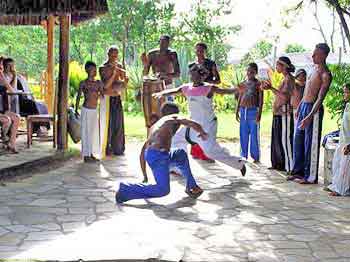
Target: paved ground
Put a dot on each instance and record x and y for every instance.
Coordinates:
(69, 213)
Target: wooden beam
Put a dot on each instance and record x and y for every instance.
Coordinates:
(63, 81)
(50, 63)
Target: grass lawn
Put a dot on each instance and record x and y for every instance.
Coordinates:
(228, 128)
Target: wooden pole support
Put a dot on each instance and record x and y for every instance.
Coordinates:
(63, 81)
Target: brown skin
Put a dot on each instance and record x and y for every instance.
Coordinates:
(201, 54)
(256, 101)
(164, 62)
(92, 90)
(283, 93)
(296, 97)
(10, 71)
(9, 120)
(317, 86)
(161, 134)
(107, 72)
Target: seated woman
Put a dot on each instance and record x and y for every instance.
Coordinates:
(28, 106)
(9, 120)
(341, 162)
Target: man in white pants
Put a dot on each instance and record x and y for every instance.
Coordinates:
(200, 104)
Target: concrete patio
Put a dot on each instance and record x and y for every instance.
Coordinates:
(69, 213)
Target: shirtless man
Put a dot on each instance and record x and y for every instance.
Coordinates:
(9, 120)
(157, 153)
(282, 122)
(309, 125)
(92, 90)
(164, 63)
(298, 91)
(248, 113)
(111, 110)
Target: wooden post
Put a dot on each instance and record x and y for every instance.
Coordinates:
(63, 81)
(50, 63)
(340, 55)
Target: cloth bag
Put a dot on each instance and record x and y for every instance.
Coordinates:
(73, 125)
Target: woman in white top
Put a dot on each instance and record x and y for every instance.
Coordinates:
(200, 104)
(341, 162)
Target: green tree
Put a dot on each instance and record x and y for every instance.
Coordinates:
(294, 48)
(202, 25)
(260, 50)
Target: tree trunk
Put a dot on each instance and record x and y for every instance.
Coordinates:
(319, 23)
(63, 81)
(343, 38)
(339, 10)
(333, 30)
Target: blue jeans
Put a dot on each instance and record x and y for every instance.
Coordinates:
(249, 132)
(306, 150)
(159, 162)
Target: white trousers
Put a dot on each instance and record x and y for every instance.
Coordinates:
(210, 146)
(340, 172)
(89, 132)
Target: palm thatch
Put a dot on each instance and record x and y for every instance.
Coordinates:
(25, 12)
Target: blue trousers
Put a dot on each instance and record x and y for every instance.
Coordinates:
(159, 162)
(306, 150)
(249, 132)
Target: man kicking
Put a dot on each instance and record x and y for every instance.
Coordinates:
(156, 152)
(309, 124)
(200, 98)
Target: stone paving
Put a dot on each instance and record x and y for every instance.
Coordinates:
(69, 213)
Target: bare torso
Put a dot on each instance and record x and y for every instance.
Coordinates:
(106, 72)
(249, 94)
(162, 132)
(313, 84)
(297, 95)
(91, 91)
(163, 63)
(281, 106)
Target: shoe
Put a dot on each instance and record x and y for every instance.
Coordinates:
(94, 159)
(209, 160)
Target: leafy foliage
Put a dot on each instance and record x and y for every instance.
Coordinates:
(261, 49)
(294, 48)
(334, 99)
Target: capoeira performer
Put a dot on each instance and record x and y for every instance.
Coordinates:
(157, 153)
(200, 103)
(310, 114)
(248, 113)
(92, 90)
(282, 121)
(341, 162)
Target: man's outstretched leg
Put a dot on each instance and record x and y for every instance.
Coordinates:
(179, 159)
(159, 163)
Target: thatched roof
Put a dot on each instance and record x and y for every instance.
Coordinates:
(33, 12)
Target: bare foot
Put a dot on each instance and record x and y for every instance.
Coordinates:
(333, 194)
(194, 192)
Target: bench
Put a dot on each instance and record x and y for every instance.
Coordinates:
(36, 119)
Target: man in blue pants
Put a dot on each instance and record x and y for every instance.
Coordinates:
(250, 103)
(309, 120)
(156, 151)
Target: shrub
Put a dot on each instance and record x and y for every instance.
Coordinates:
(334, 99)
(76, 75)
